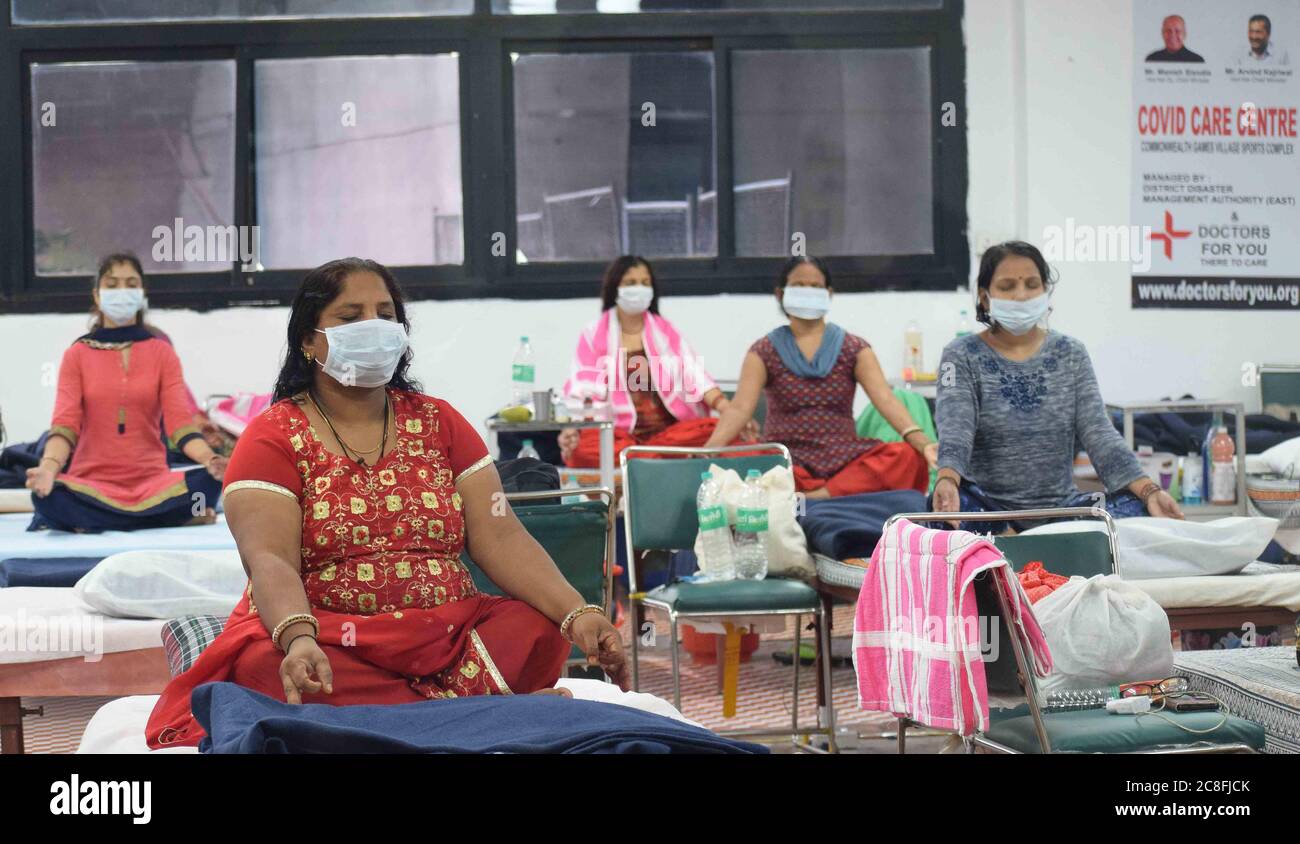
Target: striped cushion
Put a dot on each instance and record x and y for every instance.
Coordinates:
(185, 638)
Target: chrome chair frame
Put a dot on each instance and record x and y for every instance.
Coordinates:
(826, 712)
(1030, 682)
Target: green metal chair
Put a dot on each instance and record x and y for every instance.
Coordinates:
(659, 501)
(578, 536)
(1027, 728)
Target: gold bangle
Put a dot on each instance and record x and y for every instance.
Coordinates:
(291, 620)
(58, 464)
(573, 616)
(912, 430)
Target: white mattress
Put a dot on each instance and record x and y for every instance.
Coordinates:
(15, 501)
(17, 541)
(40, 623)
(1258, 585)
(118, 726)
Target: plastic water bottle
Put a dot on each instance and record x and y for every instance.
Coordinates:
(717, 561)
(571, 483)
(751, 529)
(529, 451)
(523, 374)
(913, 351)
(1071, 699)
(963, 327)
(1192, 478)
(1223, 468)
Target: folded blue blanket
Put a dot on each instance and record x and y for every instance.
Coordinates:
(239, 720)
(846, 527)
(45, 571)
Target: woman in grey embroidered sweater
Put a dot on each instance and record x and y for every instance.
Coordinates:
(1015, 402)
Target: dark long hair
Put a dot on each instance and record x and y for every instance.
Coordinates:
(995, 255)
(320, 287)
(614, 275)
(106, 265)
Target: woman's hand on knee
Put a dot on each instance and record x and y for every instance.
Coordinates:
(568, 441)
(946, 498)
(1162, 505)
(600, 641)
(303, 661)
(40, 480)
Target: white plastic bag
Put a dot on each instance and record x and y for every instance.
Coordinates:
(1102, 632)
(1152, 548)
(787, 548)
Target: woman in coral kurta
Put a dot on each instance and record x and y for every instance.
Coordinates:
(351, 499)
(117, 386)
(811, 370)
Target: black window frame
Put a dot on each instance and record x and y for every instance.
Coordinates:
(484, 43)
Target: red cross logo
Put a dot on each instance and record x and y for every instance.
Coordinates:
(1168, 236)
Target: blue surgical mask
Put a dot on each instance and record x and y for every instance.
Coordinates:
(364, 354)
(806, 302)
(1019, 317)
(121, 304)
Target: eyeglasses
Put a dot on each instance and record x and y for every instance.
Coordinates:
(1167, 686)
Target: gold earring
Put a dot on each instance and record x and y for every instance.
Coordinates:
(308, 355)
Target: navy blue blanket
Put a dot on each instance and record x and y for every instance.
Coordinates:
(239, 720)
(850, 526)
(1181, 433)
(45, 571)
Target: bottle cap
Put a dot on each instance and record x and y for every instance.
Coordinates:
(753, 473)
(704, 476)
(523, 339)
(528, 443)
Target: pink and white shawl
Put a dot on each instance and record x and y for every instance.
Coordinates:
(599, 369)
(916, 632)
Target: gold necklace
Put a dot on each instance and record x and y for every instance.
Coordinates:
(346, 447)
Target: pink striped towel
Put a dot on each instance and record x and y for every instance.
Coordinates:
(916, 633)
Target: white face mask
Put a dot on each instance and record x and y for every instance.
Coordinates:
(806, 302)
(364, 354)
(121, 304)
(1019, 317)
(635, 298)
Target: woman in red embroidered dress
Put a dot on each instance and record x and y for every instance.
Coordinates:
(811, 370)
(351, 499)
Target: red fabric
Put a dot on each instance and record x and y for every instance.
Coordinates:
(380, 562)
(1038, 582)
(380, 538)
(887, 466)
(136, 388)
(386, 658)
(690, 433)
(652, 415)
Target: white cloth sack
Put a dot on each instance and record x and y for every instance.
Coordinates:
(787, 549)
(1102, 632)
(165, 584)
(1284, 458)
(1151, 548)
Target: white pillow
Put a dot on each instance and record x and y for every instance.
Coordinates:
(1284, 458)
(165, 584)
(1152, 548)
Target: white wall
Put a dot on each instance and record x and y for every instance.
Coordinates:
(1062, 152)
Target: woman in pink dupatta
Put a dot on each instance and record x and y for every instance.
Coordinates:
(638, 362)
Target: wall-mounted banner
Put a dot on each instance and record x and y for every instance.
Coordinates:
(1216, 155)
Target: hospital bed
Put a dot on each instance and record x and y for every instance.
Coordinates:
(53, 645)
